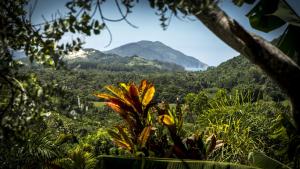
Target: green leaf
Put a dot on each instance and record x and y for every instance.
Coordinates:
(289, 44)
(261, 17)
(286, 13)
(259, 159)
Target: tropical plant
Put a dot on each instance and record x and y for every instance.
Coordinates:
(245, 126)
(100, 142)
(36, 152)
(132, 103)
(76, 159)
(192, 147)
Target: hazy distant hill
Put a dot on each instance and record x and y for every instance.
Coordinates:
(94, 59)
(158, 51)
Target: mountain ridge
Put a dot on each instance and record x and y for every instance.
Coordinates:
(156, 50)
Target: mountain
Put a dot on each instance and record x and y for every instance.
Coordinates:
(158, 51)
(94, 59)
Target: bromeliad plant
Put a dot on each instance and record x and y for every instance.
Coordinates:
(132, 103)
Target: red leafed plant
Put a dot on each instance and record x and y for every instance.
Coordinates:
(132, 103)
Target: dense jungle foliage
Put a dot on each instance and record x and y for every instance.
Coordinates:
(241, 110)
(55, 114)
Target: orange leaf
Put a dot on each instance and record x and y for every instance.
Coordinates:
(104, 96)
(115, 107)
(143, 137)
(143, 86)
(134, 95)
(124, 144)
(133, 91)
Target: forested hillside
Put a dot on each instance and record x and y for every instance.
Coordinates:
(237, 73)
(66, 107)
(237, 89)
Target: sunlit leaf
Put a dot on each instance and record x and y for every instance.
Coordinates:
(219, 144)
(115, 107)
(120, 94)
(143, 86)
(116, 91)
(148, 95)
(124, 86)
(104, 96)
(166, 120)
(123, 144)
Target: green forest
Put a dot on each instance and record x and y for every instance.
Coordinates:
(129, 112)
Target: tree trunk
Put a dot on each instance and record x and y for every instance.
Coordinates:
(269, 58)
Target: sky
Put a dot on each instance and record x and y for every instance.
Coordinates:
(190, 37)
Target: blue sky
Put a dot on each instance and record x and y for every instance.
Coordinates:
(189, 37)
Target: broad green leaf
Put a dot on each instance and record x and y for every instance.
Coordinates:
(261, 17)
(286, 13)
(288, 43)
(260, 160)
